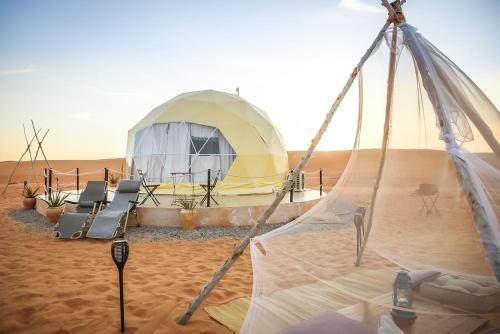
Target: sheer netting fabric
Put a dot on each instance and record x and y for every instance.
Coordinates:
(421, 193)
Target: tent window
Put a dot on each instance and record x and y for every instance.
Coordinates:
(203, 145)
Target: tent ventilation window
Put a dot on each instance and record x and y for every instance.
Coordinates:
(204, 146)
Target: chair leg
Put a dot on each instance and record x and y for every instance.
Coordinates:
(434, 207)
(203, 199)
(154, 199)
(144, 199)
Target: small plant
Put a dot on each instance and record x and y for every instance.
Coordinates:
(55, 199)
(29, 192)
(113, 179)
(186, 203)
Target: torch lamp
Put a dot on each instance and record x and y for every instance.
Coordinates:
(402, 297)
(119, 252)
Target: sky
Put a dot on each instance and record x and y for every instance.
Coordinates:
(90, 70)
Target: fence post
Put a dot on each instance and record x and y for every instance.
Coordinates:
(320, 182)
(106, 178)
(208, 187)
(50, 181)
(291, 189)
(45, 180)
(77, 180)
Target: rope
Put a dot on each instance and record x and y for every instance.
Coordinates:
(55, 171)
(97, 171)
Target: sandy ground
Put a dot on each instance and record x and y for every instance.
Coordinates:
(50, 286)
(56, 286)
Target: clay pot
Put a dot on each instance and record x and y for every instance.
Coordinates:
(53, 214)
(29, 203)
(188, 219)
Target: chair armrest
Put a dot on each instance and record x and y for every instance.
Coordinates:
(70, 202)
(133, 202)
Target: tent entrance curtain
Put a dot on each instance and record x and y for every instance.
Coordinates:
(181, 147)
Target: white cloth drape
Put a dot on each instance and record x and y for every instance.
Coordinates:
(162, 149)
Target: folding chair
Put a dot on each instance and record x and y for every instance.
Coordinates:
(206, 188)
(429, 193)
(150, 189)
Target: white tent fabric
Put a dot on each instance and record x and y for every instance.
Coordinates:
(425, 172)
(161, 149)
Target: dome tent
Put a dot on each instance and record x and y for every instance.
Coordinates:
(202, 130)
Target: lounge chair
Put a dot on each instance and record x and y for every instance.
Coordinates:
(73, 225)
(107, 222)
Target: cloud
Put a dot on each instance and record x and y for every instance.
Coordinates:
(17, 71)
(359, 6)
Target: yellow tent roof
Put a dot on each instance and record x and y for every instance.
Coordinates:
(261, 162)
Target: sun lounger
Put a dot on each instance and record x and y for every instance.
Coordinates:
(73, 225)
(95, 191)
(107, 223)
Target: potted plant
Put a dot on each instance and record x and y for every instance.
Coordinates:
(29, 199)
(113, 180)
(187, 213)
(55, 200)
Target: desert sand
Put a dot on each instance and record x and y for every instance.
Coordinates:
(49, 285)
(56, 286)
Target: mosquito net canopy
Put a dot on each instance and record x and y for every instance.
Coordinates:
(179, 141)
(420, 194)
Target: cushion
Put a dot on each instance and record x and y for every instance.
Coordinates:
(128, 186)
(420, 276)
(387, 326)
(329, 323)
(471, 293)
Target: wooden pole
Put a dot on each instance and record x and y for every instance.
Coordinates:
(208, 187)
(77, 180)
(17, 164)
(106, 178)
(40, 143)
(50, 181)
(45, 180)
(285, 187)
(385, 138)
(31, 156)
(320, 182)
